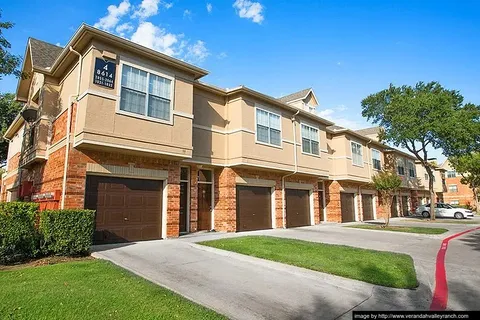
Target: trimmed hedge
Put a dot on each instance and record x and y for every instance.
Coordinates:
(19, 239)
(66, 232)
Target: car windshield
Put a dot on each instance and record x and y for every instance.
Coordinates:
(447, 206)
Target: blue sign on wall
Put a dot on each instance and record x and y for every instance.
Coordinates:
(104, 73)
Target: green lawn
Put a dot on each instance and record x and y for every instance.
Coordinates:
(91, 289)
(438, 220)
(421, 230)
(377, 267)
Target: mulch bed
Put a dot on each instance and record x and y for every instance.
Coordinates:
(43, 262)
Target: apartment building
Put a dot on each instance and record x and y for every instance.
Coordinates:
(456, 192)
(137, 136)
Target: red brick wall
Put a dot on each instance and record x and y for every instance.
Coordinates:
(333, 201)
(225, 195)
(13, 162)
(464, 194)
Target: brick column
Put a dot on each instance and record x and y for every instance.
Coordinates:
(332, 199)
(173, 202)
(193, 198)
(225, 200)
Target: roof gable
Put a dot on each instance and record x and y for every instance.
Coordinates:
(302, 94)
(43, 53)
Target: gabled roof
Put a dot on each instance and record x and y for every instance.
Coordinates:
(302, 94)
(336, 128)
(368, 131)
(43, 53)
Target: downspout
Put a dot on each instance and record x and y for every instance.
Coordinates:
(294, 172)
(71, 99)
(369, 155)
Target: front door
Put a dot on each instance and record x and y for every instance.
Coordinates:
(204, 206)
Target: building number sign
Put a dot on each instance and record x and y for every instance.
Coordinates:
(104, 74)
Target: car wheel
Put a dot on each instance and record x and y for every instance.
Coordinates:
(425, 214)
(458, 215)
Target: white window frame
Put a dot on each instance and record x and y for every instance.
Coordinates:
(361, 153)
(454, 174)
(318, 139)
(451, 185)
(148, 71)
(262, 108)
(380, 159)
(188, 195)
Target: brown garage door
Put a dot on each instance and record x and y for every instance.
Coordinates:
(298, 208)
(367, 206)
(254, 208)
(127, 209)
(348, 208)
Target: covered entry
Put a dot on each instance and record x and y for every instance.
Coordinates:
(298, 207)
(126, 209)
(254, 208)
(367, 207)
(347, 202)
(394, 209)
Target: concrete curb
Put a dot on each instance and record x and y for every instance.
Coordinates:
(337, 281)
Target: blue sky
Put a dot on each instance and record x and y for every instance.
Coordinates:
(345, 50)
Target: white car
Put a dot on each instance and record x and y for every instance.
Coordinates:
(444, 210)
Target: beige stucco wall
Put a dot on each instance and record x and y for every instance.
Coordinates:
(243, 147)
(209, 135)
(342, 162)
(99, 121)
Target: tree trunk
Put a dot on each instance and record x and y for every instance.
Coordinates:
(475, 200)
(432, 192)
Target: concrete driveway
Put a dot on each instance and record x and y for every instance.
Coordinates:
(243, 287)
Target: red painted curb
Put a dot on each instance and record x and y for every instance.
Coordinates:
(440, 294)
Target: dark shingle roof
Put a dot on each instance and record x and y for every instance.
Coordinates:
(43, 53)
(368, 131)
(294, 96)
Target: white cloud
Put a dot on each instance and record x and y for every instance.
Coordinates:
(157, 38)
(114, 14)
(58, 44)
(187, 14)
(222, 55)
(149, 8)
(124, 28)
(209, 7)
(338, 117)
(197, 52)
(249, 10)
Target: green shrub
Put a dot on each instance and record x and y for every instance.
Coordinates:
(67, 232)
(19, 240)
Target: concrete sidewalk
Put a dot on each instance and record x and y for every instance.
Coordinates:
(243, 287)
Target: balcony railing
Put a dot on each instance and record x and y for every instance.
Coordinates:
(34, 144)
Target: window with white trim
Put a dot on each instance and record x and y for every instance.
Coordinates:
(400, 167)
(452, 188)
(145, 93)
(268, 127)
(376, 159)
(412, 171)
(451, 174)
(310, 143)
(357, 153)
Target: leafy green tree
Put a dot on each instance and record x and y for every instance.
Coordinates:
(387, 183)
(422, 116)
(9, 109)
(468, 166)
(9, 63)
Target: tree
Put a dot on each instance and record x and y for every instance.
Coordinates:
(423, 116)
(9, 63)
(468, 166)
(387, 183)
(9, 109)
